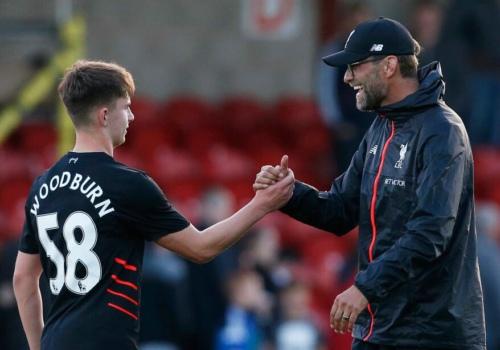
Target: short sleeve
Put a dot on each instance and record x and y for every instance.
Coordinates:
(149, 212)
(28, 241)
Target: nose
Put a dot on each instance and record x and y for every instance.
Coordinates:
(348, 76)
(131, 116)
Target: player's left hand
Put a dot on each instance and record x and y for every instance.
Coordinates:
(346, 308)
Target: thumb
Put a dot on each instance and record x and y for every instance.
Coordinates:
(284, 163)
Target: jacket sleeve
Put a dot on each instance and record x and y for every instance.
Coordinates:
(336, 210)
(440, 186)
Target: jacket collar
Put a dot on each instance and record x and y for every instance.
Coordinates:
(430, 92)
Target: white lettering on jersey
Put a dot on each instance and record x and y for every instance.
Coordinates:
(105, 207)
(78, 251)
(88, 188)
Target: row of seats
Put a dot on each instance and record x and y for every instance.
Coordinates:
(188, 144)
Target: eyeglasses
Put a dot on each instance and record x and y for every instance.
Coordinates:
(352, 66)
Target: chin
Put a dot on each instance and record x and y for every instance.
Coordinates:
(361, 106)
(119, 142)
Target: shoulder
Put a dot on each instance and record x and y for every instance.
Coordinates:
(442, 135)
(137, 183)
(444, 123)
(126, 175)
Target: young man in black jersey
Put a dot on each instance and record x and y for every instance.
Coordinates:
(87, 219)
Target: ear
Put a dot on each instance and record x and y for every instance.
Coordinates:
(391, 66)
(102, 116)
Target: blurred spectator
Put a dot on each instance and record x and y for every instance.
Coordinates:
(165, 321)
(427, 20)
(261, 252)
(337, 99)
(488, 228)
(296, 329)
(11, 330)
(470, 54)
(247, 302)
(206, 281)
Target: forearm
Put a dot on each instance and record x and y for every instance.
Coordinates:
(29, 303)
(327, 211)
(220, 236)
(202, 246)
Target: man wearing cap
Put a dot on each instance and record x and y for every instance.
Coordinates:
(409, 187)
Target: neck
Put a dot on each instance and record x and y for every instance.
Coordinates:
(90, 141)
(399, 91)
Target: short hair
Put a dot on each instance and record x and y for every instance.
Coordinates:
(88, 84)
(408, 64)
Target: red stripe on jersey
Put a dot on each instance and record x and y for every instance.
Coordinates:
(128, 313)
(124, 296)
(372, 218)
(125, 283)
(125, 265)
(375, 192)
(372, 322)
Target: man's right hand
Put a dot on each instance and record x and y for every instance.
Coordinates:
(269, 174)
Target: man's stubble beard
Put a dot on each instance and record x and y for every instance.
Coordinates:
(374, 92)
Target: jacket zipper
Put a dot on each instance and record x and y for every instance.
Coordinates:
(372, 217)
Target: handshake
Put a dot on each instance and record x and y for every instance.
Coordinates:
(274, 185)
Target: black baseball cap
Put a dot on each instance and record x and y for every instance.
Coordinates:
(379, 37)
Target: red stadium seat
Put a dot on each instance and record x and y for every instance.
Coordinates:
(186, 113)
(223, 163)
(487, 173)
(145, 140)
(34, 138)
(12, 200)
(174, 165)
(15, 164)
(200, 141)
(145, 110)
(297, 112)
(240, 117)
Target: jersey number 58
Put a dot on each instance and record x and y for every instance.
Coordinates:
(77, 251)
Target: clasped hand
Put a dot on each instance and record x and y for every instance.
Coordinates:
(277, 182)
(274, 184)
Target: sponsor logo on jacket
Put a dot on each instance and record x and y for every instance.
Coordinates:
(395, 182)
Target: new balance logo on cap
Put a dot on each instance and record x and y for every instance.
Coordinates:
(377, 47)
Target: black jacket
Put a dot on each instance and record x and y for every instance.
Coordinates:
(409, 187)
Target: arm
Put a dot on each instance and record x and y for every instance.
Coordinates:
(336, 210)
(440, 187)
(202, 246)
(29, 302)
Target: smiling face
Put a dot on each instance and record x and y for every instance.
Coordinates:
(118, 118)
(367, 79)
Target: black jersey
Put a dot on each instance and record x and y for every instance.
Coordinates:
(88, 217)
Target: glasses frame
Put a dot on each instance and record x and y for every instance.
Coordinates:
(352, 66)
